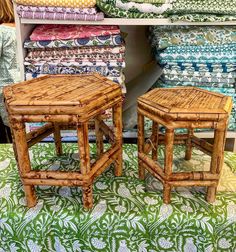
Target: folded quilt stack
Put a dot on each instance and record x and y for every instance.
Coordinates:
(76, 49)
(59, 10)
(204, 57)
(190, 10)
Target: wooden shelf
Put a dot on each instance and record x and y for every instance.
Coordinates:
(124, 21)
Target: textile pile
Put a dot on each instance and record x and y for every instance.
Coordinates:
(59, 10)
(76, 49)
(204, 57)
(191, 10)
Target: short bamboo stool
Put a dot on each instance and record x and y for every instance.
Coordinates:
(188, 108)
(64, 101)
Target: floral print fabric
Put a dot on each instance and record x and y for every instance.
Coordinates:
(166, 36)
(128, 214)
(83, 62)
(191, 10)
(51, 69)
(109, 40)
(66, 52)
(201, 67)
(142, 7)
(79, 57)
(60, 3)
(71, 49)
(66, 32)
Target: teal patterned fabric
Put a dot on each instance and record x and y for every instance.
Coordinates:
(165, 36)
(198, 54)
(202, 67)
(126, 217)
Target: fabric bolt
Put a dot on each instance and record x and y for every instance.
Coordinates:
(109, 40)
(110, 9)
(192, 83)
(120, 64)
(200, 79)
(56, 9)
(66, 32)
(165, 36)
(62, 52)
(194, 66)
(150, 1)
(202, 18)
(60, 16)
(200, 54)
(142, 7)
(51, 69)
(206, 74)
(79, 57)
(59, 3)
(221, 7)
(195, 11)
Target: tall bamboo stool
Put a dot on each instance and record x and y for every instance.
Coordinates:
(62, 101)
(188, 108)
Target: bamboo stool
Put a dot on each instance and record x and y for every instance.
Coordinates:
(64, 101)
(188, 108)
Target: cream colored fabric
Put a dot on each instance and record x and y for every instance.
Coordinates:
(60, 3)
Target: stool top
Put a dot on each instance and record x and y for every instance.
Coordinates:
(47, 93)
(187, 103)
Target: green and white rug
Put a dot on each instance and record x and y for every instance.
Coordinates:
(127, 216)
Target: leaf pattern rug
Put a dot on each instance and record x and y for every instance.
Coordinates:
(127, 215)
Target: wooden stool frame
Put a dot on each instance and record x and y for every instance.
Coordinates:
(22, 141)
(169, 178)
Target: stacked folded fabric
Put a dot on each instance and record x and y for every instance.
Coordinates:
(191, 10)
(203, 57)
(76, 49)
(59, 10)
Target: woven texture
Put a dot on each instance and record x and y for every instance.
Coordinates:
(194, 101)
(50, 91)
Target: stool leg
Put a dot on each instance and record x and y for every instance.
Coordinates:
(99, 137)
(217, 160)
(23, 160)
(117, 122)
(57, 139)
(141, 144)
(155, 132)
(166, 193)
(83, 143)
(188, 152)
(169, 145)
